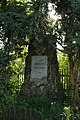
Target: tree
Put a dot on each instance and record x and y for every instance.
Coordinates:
(41, 39)
(13, 31)
(70, 29)
(27, 24)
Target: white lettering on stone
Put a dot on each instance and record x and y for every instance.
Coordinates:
(39, 68)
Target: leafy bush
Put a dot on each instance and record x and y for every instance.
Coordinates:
(56, 110)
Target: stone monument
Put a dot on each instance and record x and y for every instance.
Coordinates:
(39, 68)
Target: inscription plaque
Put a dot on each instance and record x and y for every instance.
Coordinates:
(39, 68)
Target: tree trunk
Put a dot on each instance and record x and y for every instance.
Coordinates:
(31, 51)
(77, 81)
(53, 75)
(53, 68)
(74, 82)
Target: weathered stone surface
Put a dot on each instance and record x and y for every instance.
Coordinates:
(39, 68)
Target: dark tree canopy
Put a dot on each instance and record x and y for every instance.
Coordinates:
(26, 24)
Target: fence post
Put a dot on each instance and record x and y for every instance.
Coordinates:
(58, 116)
(30, 113)
(64, 117)
(39, 116)
(62, 79)
(3, 114)
(13, 113)
(77, 118)
(71, 118)
(9, 113)
(24, 109)
(50, 114)
(34, 114)
(19, 113)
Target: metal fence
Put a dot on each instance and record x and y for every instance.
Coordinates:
(65, 78)
(22, 113)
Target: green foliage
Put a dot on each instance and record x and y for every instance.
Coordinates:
(67, 112)
(22, 22)
(10, 100)
(56, 109)
(63, 61)
(40, 102)
(67, 98)
(70, 27)
(13, 17)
